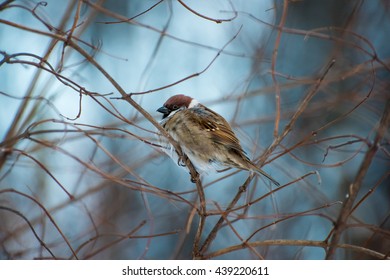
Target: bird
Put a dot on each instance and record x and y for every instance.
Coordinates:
(204, 136)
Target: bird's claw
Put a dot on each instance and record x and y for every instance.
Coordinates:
(195, 178)
(180, 161)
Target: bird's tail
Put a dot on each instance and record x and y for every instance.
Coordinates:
(258, 170)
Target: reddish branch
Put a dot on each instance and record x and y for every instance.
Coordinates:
(354, 188)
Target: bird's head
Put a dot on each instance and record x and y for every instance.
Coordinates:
(175, 103)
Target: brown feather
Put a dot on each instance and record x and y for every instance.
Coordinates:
(205, 136)
(217, 127)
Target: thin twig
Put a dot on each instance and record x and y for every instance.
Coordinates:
(300, 243)
(273, 66)
(190, 76)
(206, 17)
(30, 226)
(356, 185)
(270, 149)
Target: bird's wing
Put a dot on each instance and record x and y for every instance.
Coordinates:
(217, 127)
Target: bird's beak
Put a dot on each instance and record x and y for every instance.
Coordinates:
(164, 110)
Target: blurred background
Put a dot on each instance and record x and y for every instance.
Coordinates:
(81, 178)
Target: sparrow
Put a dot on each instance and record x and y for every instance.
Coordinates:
(204, 136)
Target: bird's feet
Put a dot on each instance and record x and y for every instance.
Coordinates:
(181, 161)
(195, 178)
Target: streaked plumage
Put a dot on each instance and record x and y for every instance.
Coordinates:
(204, 136)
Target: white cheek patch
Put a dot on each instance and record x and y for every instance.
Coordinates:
(173, 112)
(164, 120)
(192, 104)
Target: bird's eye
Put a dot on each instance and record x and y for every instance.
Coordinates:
(175, 107)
